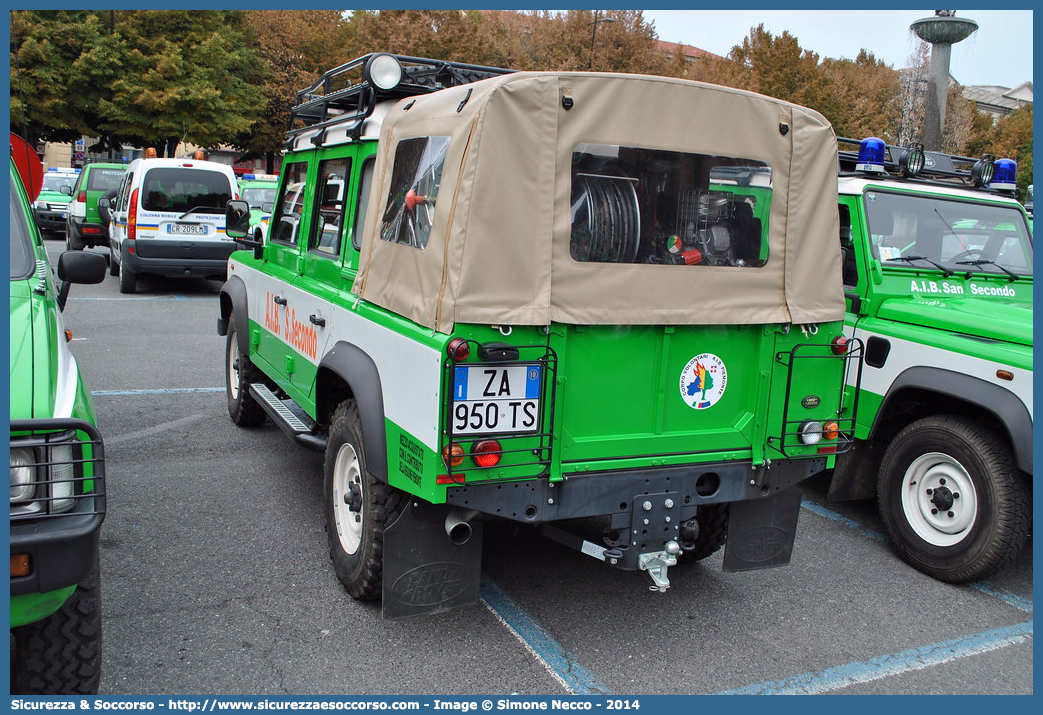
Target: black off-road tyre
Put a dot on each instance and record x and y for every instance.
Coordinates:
(356, 531)
(61, 654)
(952, 499)
(71, 244)
(128, 280)
(114, 266)
(713, 532)
(239, 373)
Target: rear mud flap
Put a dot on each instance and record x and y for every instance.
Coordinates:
(425, 572)
(761, 532)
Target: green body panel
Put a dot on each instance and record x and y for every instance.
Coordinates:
(41, 368)
(33, 607)
(980, 315)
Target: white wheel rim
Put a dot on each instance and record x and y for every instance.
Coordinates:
(233, 367)
(939, 499)
(349, 523)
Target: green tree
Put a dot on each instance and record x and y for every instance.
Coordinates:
(295, 48)
(186, 76)
(1014, 141)
(867, 97)
(45, 47)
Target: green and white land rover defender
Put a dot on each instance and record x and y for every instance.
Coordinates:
(545, 297)
(57, 473)
(937, 265)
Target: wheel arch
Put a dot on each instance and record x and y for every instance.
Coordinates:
(347, 371)
(920, 391)
(234, 302)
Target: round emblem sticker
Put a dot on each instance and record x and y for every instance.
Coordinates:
(703, 381)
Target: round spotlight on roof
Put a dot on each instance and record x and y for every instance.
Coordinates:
(983, 170)
(871, 155)
(912, 160)
(1006, 177)
(383, 72)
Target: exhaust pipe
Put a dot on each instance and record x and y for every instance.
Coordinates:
(458, 526)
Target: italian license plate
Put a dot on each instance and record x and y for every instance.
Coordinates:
(489, 399)
(186, 229)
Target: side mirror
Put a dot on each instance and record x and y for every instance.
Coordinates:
(65, 189)
(237, 219)
(237, 226)
(79, 267)
(104, 203)
(267, 206)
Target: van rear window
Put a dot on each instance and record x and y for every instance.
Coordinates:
(182, 189)
(104, 179)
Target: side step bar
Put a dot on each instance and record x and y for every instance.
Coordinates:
(295, 423)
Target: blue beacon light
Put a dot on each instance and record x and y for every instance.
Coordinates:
(1006, 176)
(871, 154)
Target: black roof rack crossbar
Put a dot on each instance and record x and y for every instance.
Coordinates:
(320, 105)
(939, 168)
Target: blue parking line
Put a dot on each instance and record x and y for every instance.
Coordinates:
(830, 514)
(1022, 604)
(561, 664)
(888, 665)
(167, 391)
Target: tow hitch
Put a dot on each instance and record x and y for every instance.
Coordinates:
(657, 563)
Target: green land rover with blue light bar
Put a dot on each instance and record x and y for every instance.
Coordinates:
(937, 265)
(57, 474)
(607, 306)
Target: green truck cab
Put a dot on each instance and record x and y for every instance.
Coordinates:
(593, 304)
(57, 474)
(85, 225)
(937, 256)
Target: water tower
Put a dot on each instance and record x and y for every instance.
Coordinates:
(941, 31)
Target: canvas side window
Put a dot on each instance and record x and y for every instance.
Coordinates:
(415, 178)
(635, 205)
(290, 205)
(328, 218)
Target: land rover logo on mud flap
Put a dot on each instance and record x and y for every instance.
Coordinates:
(430, 584)
(703, 381)
(762, 543)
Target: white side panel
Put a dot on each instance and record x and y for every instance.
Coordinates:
(410, 374)
(905, 354)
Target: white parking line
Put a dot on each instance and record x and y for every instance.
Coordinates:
(884, 666)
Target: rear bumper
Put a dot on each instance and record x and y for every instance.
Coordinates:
(177, 257)
(613, 493)
(82, 231)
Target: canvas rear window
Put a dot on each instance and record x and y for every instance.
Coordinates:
(649, 206)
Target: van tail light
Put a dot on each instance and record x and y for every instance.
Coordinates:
(82, 197)
(487, 453)
(132, 217)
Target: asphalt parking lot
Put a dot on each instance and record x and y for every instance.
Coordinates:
(216, 580)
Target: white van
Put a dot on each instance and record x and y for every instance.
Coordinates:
(168, 218)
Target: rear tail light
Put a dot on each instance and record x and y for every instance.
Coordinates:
(487, 453)
(82, 197)
(132, 217)
(830, 430)
(839, 345)
(453, 455)
(458, 349)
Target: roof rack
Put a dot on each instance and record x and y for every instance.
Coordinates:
(320, 105)
(939, 169)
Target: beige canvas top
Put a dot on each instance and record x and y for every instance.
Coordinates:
(499, 251)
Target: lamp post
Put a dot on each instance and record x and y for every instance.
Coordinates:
(594, 32)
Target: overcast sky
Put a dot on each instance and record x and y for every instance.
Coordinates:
(999, 53)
